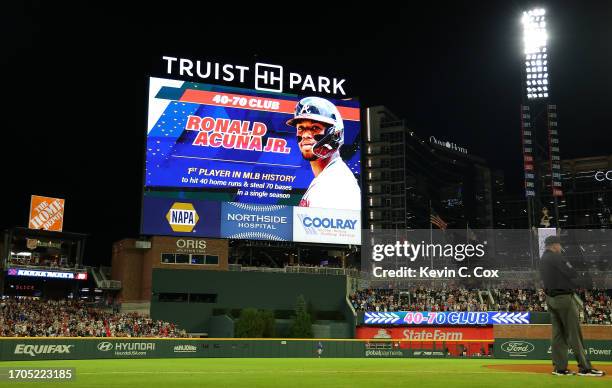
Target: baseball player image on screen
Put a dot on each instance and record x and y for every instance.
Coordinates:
(320, 134)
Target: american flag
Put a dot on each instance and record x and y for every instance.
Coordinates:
(436, 220)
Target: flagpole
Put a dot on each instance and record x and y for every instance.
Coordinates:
(467, 235)
(430, 234)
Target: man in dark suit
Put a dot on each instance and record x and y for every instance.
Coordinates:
(558, 276)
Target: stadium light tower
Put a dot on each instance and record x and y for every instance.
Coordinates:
(535, 38)
(541, 158)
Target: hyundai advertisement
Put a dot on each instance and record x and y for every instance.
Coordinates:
(244, 164)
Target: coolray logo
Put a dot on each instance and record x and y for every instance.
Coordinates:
(517, 348)
(267, 77)
(334, 226)
(185, 349)
(105, 346)
(34, 350)
(313, 223)
(182, 217)
(601, 176)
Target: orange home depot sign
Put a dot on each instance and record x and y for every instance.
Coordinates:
(46, 213)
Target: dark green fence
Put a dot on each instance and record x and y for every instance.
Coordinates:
(32, 349)
(95, 348)
(92, 348)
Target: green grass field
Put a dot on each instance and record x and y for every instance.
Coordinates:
(301, 372)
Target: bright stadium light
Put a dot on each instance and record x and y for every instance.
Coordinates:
(535, 39)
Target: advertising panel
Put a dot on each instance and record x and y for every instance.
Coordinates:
(467, 318)
(256, 222)
(439, 341)
(442, 333)
(217, 144)
(47, 274)
(540, 349)
(326, 225)
(46, 213)
(181, 217)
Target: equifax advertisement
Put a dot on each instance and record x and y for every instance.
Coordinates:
(209, 143)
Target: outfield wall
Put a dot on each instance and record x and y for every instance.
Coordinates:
(525, 342)
(239, 290)
(532, 342)
(32, 349)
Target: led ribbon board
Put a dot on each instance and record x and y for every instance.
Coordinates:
(445, 318)
(47, 274)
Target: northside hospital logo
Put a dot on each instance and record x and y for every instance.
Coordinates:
(182, 217)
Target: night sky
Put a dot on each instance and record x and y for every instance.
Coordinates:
(75, 85)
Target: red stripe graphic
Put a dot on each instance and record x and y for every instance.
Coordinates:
(254, 103)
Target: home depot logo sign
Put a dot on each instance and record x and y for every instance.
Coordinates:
(182, 217)
(46, 213)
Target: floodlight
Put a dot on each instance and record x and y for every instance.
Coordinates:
(535, 38)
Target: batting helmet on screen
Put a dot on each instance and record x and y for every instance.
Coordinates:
(321, 110)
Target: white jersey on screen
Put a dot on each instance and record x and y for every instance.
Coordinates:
(334, 188)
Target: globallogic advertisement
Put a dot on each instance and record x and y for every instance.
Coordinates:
(244, 164)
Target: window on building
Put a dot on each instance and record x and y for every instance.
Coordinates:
(167, 258)
(212, 259)
(182, 259)
(198, 259)
(202, 298)
(173, 297)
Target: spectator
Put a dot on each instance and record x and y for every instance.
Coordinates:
(598, 303)
(63, 318)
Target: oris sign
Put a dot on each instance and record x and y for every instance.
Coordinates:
(191, 245)
(601, 176)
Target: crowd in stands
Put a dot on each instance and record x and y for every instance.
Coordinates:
(28, 317)
(597, 303)
(417, 299)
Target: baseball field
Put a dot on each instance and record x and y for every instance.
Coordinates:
(319, 373)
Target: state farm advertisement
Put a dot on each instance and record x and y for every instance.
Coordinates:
(427, 334)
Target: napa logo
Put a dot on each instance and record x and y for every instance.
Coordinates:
(182, 217)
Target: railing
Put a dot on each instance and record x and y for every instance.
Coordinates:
(110, 284)
(47, 268)
(297, 269)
